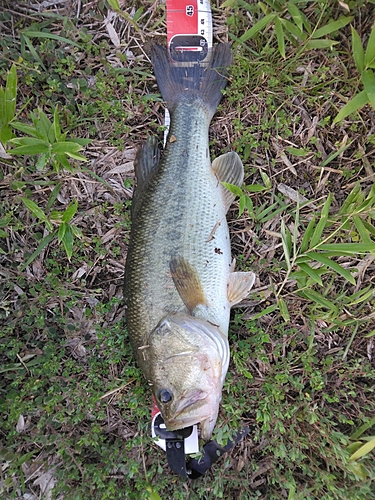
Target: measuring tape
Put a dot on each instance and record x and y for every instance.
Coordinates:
(189, 36)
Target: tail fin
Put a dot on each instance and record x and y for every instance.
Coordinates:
(204, 83)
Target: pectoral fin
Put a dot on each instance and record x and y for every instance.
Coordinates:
(187, 283)
(239, 286)
(228, 168)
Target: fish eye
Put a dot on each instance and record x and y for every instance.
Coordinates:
(164, 396)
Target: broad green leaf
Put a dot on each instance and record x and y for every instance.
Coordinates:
(53, 196)
(70, 211)
(10, 94)
(363, 450)
(297, 151)
(284, 310)
(370, 334)
(318, 231)
(293, 29)
(266, 180)
(42, 124)
(352, 106)
(367, 425)
(52, 36)
(38, 212)
(298, 17)
(61, 158)
(361, 296)
(255, 188)
(62, 230)
(320, 44)
(323, 259)
(319, 299)
(370, 50)
(30, 150)
(331, 27)
(5, 133)
(66, 147)
(265, 311)
(77, 156)
(28, 141)
(42, 245)
(152, 494)
(138, 14)
(358, 52)
(262, 23)
(361, 228)
(233, 188)
(352, 248)
(280, 37)
(368, 79)
(114, 4)
(26, 129)
(311, 272)
(67, 242)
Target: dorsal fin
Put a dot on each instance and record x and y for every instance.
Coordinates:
(145, 165)
(228, 168)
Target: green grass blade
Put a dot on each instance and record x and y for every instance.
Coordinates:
(262, 23)
(284, 310)
(264, 312)
(42, 245)
(32, 149)
(287, 243)
(293, 29)
(368, 79)
(10, 95)
(358, 52)
(296, 15)
(358, 433)
(326, 261)
(317, 234)
(350, 199)
(335, 155)
(351, 248)
(352, 106)
(370, 50)
(361, 228)
(363, 450)
(332, 27)
(320, 44)
(310, 272)
(308, 234)
(51, 36)
(320, 300)
(70, 211)
(26, 129)
(34, 53)
(280, 37)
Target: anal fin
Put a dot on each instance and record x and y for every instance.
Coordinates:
(228, 168)
(239, 286)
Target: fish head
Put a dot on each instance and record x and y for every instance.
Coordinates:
(188, 362)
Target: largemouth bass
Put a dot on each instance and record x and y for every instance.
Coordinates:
(179, 279)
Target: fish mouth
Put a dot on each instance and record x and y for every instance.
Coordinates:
(192, 410)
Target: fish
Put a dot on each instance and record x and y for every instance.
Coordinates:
(180, 282)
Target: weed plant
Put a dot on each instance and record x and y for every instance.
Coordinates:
(77, 99)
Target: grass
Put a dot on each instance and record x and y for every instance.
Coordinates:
(75, 408)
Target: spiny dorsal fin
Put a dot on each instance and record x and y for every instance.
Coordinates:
(145, 165)
(228, 168)
(187, 283)
(239, 286)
